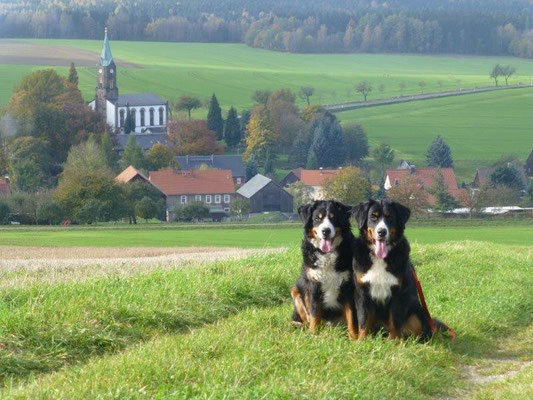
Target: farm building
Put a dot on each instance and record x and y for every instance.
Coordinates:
(529, 165)
(266, 195)
(309, 177)
(214, 188)
(483, 174)
(233, 162)
(144, 140)
(426, 178)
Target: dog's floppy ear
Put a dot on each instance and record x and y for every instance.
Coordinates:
(305, 211)
(402, 211)
(360, 213)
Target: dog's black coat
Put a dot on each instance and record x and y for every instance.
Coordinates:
(400, 313)
(309, 292)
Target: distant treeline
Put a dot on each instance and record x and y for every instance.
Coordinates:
(306, 26)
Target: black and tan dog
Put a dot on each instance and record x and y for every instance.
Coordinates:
(386, 294)
(325, 288)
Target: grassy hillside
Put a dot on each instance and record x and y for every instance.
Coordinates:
(479, 128)
(222, 330)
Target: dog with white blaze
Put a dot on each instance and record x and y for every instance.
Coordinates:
(325, 288)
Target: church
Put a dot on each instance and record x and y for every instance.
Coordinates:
(149, 111)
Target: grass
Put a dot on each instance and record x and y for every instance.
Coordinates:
(247, 236)
(222, 331)
(479, 128)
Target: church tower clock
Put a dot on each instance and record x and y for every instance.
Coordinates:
(106, 88)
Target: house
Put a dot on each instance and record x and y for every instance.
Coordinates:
(233, 162)
(528, 167)
(313, 178)
(214, 188)
(149, 111)
(5, 189)
(144, 140)
(266, 195)
(483, 174)
(426, 177)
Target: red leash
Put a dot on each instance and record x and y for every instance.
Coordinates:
(425, 307)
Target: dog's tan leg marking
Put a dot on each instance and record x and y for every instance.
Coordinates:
(352, 327)
(413, 326)
(315, 319)
(366, 329)
(393, 332)
(299, 304)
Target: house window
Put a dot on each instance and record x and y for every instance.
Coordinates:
(396, 183)
(121, 121)
(142, 116)
(152, 117)
(217, 198)
(134, 116)
(183, 199)
(208, 198)
(161, 119)
(198, 197)
(226, 198)
(239, 180)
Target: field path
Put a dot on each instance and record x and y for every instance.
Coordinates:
(20, 267)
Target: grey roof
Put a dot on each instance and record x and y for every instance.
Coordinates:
(232, 162)
(139, 99)
(145, 140)
(253, 186)
(105, 56)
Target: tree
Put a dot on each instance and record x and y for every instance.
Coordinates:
(187, 103)
(159, 157)
(261, 137)
(239, 207)
(132, 155)
(444, 201)
(283, 116)
(364, 88)
(5, 212)
(306, 92)
(134, 192)
(299, 151)
(191, 211)
(356, 142)
(411, 194)
(245, 118)
(232, 128)
(301, 194)
(261, 96)
(310, 112)
(439, 154)
(507, 72)
(129, 123)
(110, 154)
(215, 122)
(496, 72)
(402, 86)
(348, 186)
(31, 164)
(49, 211)
(146, 208)
(441, 84)
(422, 85)
(192, 138)
(507, 175)
(87, 156)
(73, 75)
(251, 168)
(383, 155)
(381, 89)
(328, 144)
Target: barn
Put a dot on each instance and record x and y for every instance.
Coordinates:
(266, 195)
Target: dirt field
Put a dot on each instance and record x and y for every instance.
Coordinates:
(23, 53)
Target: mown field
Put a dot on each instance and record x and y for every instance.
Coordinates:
(221, 330)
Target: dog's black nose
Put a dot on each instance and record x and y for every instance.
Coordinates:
(326, 232)
(382, 233)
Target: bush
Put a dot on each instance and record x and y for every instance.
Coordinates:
(191, 212)
(146, 208)
(5, 212)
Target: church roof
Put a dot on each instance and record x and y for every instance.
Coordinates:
(105, 56)
(139, 99)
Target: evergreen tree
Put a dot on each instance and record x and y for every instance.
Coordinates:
(312, 162)
(507, 175)
(133, 155)
(251, 168)
(356, 142)
(383, 156)
(129, 123)
(73, 75)
(269, 163)
(328, 146)
(444, 201)
(232, 128)
(110, 154)
(439, 154)
(245, 118)
(215, 122)
(300, 151)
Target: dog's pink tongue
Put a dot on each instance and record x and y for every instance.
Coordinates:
(325, 245)
(381, 249)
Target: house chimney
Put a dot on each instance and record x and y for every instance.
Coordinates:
(320, 170)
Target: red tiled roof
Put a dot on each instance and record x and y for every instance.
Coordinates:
(314, 177)
(426, 177)
(128, 174)
(173, 182)
(4, 186)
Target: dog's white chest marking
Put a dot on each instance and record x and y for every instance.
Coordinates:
(379, 280)
(330, 279)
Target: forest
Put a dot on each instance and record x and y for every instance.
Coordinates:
(305, 26)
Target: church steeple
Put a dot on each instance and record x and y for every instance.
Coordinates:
(106, 89)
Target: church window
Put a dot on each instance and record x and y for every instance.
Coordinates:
(142, 116)
(134, 115)
(161, 120)
(121, 122)
(152, 117)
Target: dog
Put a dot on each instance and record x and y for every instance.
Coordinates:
(386, 294)
(325, 288)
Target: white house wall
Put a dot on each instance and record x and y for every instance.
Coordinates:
(110, 114)
(138, 127)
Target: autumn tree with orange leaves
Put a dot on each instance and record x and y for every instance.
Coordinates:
(192, 138)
